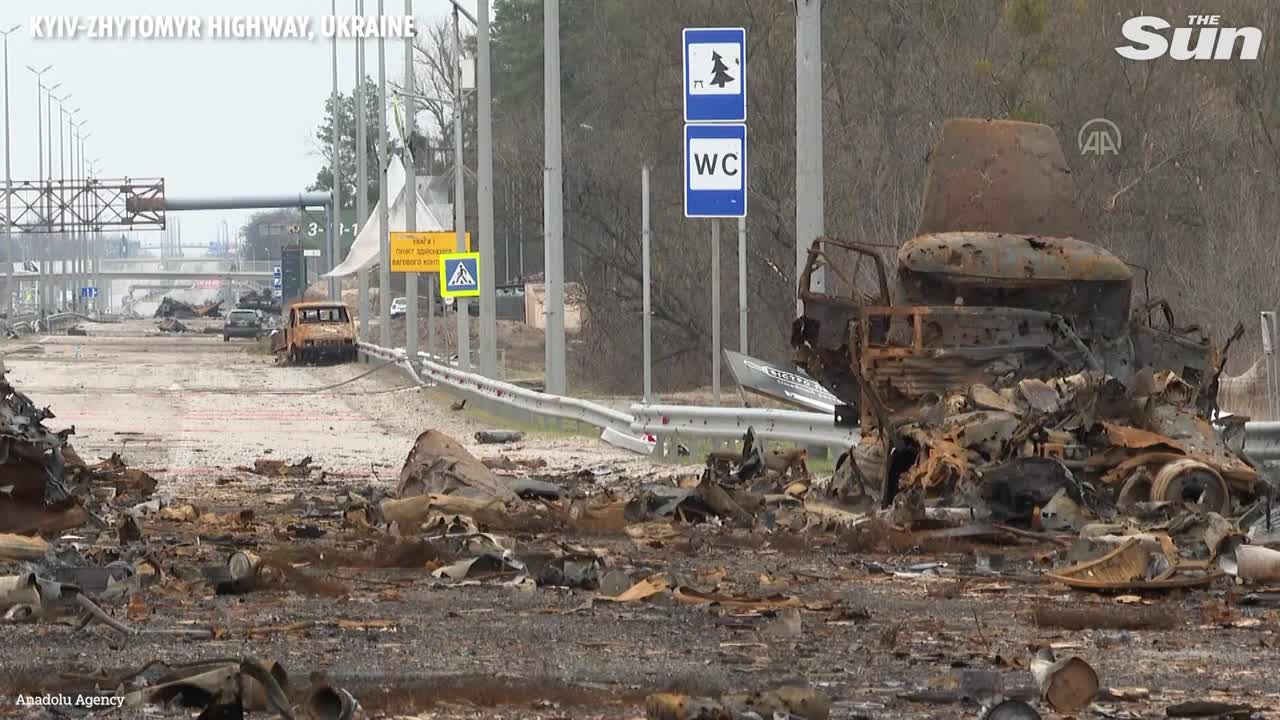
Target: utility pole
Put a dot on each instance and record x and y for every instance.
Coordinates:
(647, 324)
(410, 193)
(335, 229)
(384, 240)
(484, 189)
(8, 184)
(460, 305)
(809, 182)
(362, 173)
(553, 202)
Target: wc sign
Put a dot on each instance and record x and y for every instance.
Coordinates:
(715, 113)
(715, 171)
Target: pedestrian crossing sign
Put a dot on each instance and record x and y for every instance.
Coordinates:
(460, 275)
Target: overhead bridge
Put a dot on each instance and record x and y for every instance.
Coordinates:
(164, 275)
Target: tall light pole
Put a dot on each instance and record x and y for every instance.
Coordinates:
(384, 241)
(77, 266)
(45, 266)
(362, 171)
(410, 193)
(68, 254)
(484, 191)
(335, 229)
(553, 201)
(77, 175)
(8, 185)
(461, 309)
(64, 261)
(39, 122)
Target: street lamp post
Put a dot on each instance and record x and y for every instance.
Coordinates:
(45, 266)
(484, 195)
(362, 172)
(77, 176)
(384, 239)
(63, 261)
(335, 227)
(69, 256)
(8, 184)
(411, 195)
(77, 266)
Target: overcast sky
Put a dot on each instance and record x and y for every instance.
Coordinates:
(210, 116)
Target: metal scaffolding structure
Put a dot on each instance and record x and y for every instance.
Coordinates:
(61, 206)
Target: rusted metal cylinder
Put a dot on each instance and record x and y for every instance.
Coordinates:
(1192, 482)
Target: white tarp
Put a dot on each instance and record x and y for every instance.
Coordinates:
(364, 251)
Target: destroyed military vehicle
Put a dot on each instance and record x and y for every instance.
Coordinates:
(1004, 358)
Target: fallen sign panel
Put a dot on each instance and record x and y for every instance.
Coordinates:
(791, 386)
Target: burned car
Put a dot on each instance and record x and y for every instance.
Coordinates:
(1007, 346)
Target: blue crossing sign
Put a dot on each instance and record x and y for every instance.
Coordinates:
(715, 171)
(460, 275)
(715, 75)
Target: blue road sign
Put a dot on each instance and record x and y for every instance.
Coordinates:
(715, 171)
(88, 292)
(460, 275)
(715, 75)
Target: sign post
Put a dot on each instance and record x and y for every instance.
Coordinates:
(715, 145)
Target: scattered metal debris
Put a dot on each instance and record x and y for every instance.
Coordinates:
(171, 308)
(499, 436)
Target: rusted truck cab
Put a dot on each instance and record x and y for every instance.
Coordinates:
(316, 332)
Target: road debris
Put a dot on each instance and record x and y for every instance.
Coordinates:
(171, 308)
(1068, 685)
(19, 547)
(171, 325)
(1002, 709)
(1257, 564)
(283, 468)
(785, 701)
(438, 464)
(498, 436)
(1109, 617)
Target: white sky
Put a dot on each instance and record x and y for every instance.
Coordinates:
(210, 116)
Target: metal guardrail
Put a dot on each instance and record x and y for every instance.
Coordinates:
(725, 423)
(668, 423)
(1262, 440)
(523, 399)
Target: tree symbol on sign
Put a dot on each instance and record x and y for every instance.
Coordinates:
(719, 71)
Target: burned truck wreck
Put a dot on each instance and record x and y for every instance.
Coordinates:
(1005, 357)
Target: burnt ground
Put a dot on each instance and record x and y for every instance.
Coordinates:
(884, 623)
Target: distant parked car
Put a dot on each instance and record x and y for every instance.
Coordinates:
(242, 323)
(399, 307)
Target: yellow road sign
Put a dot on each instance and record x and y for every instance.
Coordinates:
(421, 251)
